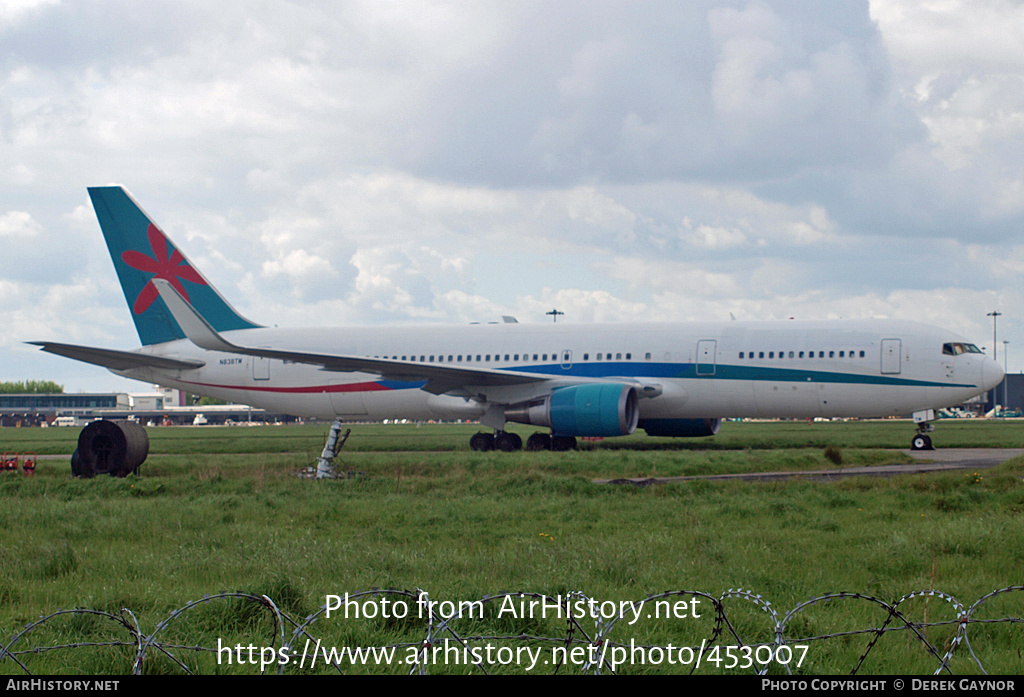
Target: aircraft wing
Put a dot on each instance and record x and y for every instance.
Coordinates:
(116, 360)
(440, 378)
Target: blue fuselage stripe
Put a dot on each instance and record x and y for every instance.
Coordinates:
(688, 371)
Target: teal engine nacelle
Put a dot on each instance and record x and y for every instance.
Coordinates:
(600, 410)
(681, 428)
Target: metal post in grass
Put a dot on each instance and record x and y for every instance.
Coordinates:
(331, 447)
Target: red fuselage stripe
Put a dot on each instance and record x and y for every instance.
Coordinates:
(315, 389)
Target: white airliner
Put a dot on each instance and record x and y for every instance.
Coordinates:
(675, 379)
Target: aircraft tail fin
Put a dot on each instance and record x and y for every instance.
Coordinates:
(141, 252)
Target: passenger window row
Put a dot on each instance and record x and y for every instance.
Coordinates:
(507, 358)
(800, 354)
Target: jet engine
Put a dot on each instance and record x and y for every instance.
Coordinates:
(604, 409)
(681, 428)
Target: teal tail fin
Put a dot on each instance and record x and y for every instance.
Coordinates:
(142, 252)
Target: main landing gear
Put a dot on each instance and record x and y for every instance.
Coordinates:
(500, 440)
(510, 442)
(923, 419)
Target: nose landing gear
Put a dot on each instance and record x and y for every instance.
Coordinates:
(923, 419)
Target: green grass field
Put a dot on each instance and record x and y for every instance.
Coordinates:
(218, 509)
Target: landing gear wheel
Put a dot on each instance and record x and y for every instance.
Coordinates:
(921, 442)
(508, 442)
(538, 442)
(482, 442)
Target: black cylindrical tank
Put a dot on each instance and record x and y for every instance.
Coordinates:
(116, 448)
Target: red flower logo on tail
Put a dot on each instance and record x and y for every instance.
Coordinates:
(170, 269)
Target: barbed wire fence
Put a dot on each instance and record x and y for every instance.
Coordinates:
(590, 638)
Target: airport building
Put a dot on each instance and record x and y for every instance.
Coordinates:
(160, 407)
(1009, 395)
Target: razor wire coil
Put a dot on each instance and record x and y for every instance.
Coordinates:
(440, 629)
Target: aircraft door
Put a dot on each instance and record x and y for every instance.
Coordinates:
(566, 359)
(892, 356)
(260, 368)
(348, 403)
(706, 350)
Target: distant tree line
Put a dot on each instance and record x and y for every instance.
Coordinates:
(31, 387)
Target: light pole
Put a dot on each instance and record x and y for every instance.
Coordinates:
(1006, 352)
(995, 352)
(995, 344)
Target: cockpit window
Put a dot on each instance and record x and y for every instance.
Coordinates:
(956, 348)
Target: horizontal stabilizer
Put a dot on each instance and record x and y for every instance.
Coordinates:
(117, 360)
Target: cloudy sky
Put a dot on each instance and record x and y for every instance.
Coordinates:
(418, 162)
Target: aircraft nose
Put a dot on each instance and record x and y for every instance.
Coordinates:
(991, 374)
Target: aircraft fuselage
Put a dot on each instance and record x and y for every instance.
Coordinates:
(698, 370)
(574, 379)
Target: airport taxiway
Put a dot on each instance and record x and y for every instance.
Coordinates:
(927, 461)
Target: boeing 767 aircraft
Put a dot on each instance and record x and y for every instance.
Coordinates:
(671, 379)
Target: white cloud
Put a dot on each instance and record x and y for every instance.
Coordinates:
(300, 266)
(11, 11)
(952, 36)
(715, 237)
(962, 67)
(582, 305)
(370, 162)
(661, 277)
(30, 311)
(18, 224)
